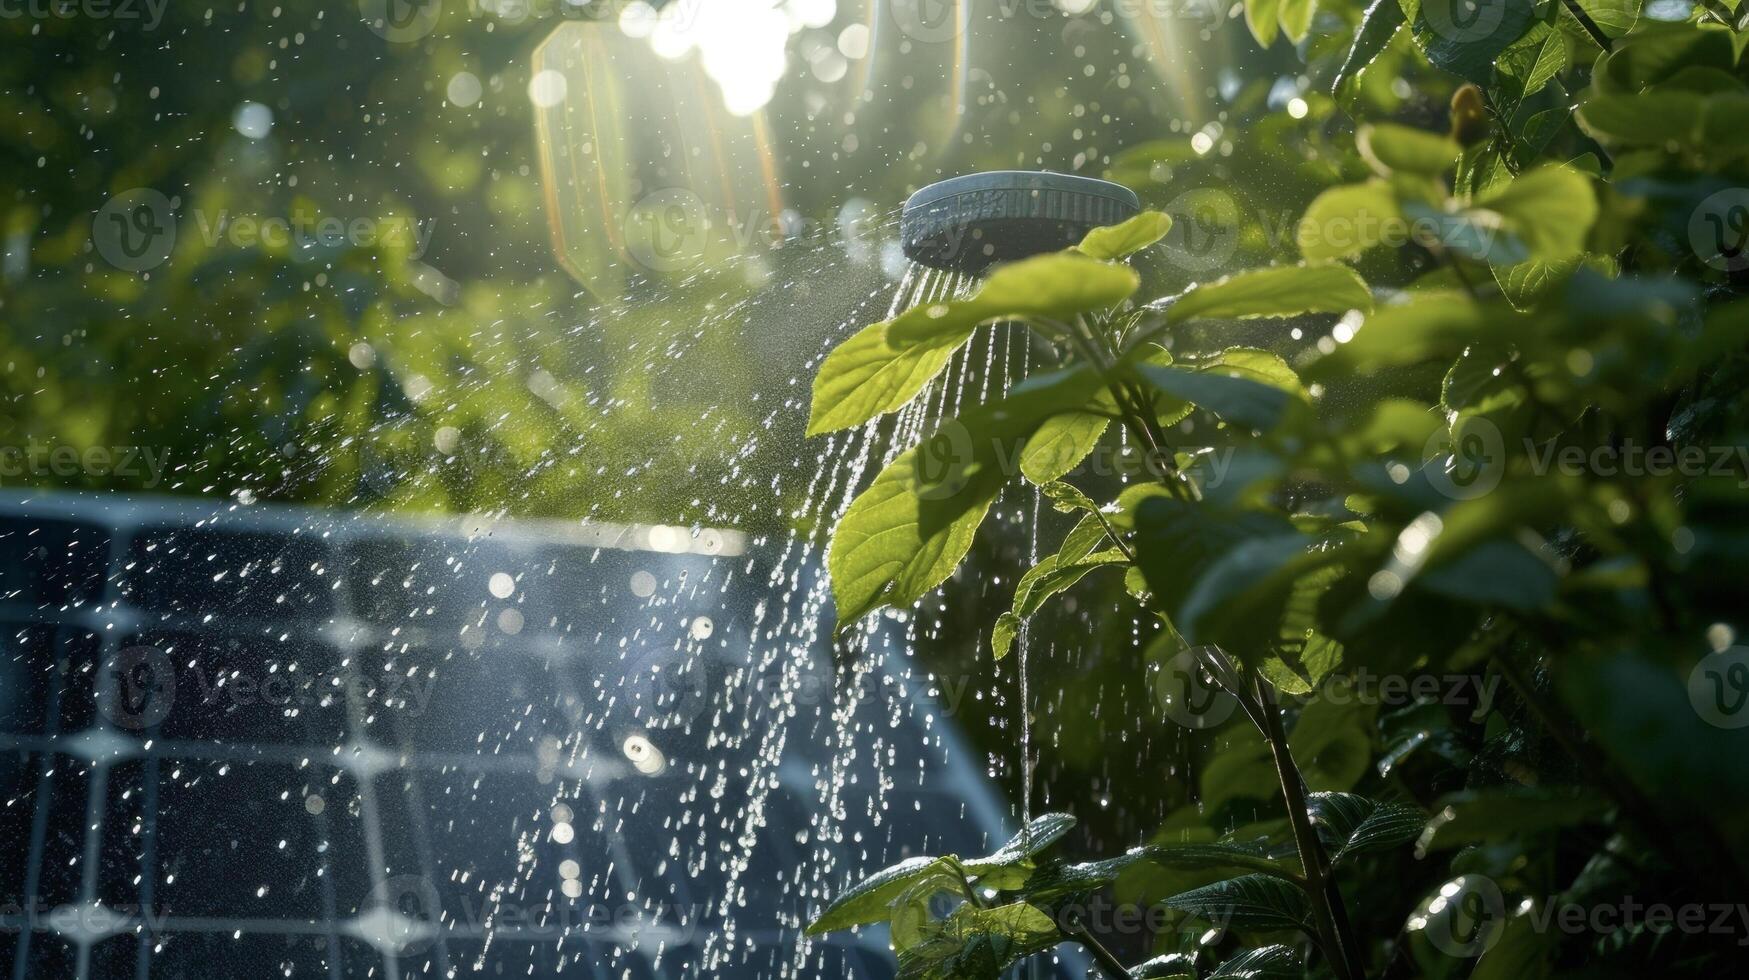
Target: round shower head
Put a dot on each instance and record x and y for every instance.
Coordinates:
(969, 223)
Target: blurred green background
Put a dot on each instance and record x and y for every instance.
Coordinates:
(484, 332)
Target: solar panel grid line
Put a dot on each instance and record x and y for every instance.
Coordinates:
(379, 750)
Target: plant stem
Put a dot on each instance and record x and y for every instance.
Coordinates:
(1334, 935)
(1108, 962)
(1590, 25)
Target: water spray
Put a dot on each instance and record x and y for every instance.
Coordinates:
(967, 224)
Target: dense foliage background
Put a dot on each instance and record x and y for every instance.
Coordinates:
(1584, 614)
(1445, 587)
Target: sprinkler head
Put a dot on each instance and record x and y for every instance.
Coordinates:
(967, 224)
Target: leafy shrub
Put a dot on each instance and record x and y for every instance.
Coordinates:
(1530, 492)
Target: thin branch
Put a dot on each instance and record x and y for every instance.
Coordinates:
(1108, 962)
(1338, 941)
(1590, 25)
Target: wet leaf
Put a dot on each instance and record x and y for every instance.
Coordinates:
(1349, 824)
(1478, 816)
(869, 899)
(1238, 400)
(1262, 963)
(1465, 40)
(1249, 902)
(1277, 291)
(1380, 23)
(1263, 17)
(1390, 148)
(1122, 241)
(1060, 445)
(1345, 221)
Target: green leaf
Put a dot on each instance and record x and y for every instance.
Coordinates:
(1296, 18)
(1263, 963)
(1482, 816)
(1249, 902)
(1390, 148)
(1060, 445)
(1171, 966)
(1647, 118)
(1263, 17)
(1527, 283)
(979, 943)
(867, 375)
(1428, 326)
(1059, 285)
(1178, 542)
(1614, 17)
(1287, 290)
(1532, 63)
(1550, 209)
(1465, 37)
(1346, 221)
(1350, 824)
(1378, 25)
(1238, 400)
(868, 900)
(1034, 839)
(1066, 498)
(893, 545)
(1124, 240)
(1052, 575)
(909, 530)
(1224, 857)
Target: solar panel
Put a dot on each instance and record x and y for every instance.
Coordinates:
(255, 741)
